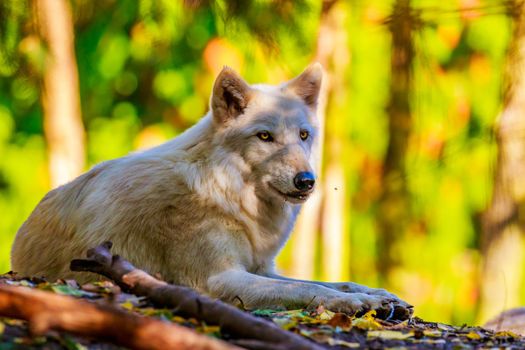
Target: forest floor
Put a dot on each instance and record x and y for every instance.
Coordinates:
(328, 329)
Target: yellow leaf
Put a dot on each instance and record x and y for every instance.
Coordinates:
(127, 305)
(432, 333)
(2, 327)
(285, 323)
(389, 334)
(338, 342)
(473, 335)
(370, 314)
(506, 334)
(178, 319)
(210, 329)
(326, 315)
(367, 321)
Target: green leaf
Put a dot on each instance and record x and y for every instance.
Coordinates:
(67, 290)
(264, 312)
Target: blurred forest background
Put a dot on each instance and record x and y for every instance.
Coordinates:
(422, 182)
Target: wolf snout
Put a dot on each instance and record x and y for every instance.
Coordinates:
(304, 181)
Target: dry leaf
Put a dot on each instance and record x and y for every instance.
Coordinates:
(342, 321)
(390, 335)
(338, 342)
(432, 333)
(506, 334)
(367, 321)
(473, 335)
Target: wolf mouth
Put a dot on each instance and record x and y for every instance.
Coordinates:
(298, 196)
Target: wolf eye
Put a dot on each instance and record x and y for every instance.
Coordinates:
(265, 136)
(304, 135)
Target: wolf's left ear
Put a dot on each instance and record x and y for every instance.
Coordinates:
(308, 84)
(231, 95)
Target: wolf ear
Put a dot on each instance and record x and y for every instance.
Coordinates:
(231, 95)
(308, 84)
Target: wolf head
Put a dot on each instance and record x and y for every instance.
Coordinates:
(272, 128)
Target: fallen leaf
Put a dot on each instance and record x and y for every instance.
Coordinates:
(473, 335)
(390, 335)
(506, 334)
(122, 298)
(14, 322)
(339, 342)
(263, 312)
(128, 305)
(367, 321)
(299, 313)
(342, 321)
(445, 327)
(39, 340)
(24, 283)
(71, 344)
(165, 314)
(67, 290)
(326, 315)
(19, 340)
(285, 323)
(209, 330)
(432, 333)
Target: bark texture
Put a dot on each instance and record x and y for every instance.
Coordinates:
(48, 311)
(394, 202)
(310, 221)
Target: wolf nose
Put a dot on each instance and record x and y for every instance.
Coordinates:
(304, 181)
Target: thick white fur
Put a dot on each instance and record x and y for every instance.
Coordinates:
(198, 209)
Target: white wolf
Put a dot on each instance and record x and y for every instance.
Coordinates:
(209, 209)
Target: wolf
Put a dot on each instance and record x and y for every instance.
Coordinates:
(209, 209)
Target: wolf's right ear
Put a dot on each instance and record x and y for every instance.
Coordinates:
(230, 97)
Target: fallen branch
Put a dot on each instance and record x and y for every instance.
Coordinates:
(251, 332)
(45, 311)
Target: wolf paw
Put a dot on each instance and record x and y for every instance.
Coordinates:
(355, 303)
(397, 308)
(387, 307)
(400, 309)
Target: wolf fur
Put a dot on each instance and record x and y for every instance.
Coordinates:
(209, 209)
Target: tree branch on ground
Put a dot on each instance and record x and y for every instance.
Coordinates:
(48, 311)
(247, 330)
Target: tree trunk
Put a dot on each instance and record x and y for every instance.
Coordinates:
(503, 225)
(335, 236)
(63, 126)
(310, 222)
(393, 205)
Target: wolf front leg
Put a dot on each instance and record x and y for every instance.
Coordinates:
(346, 287)
(402, 308)
(256, 292)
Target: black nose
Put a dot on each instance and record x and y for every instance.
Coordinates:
(304, 181)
